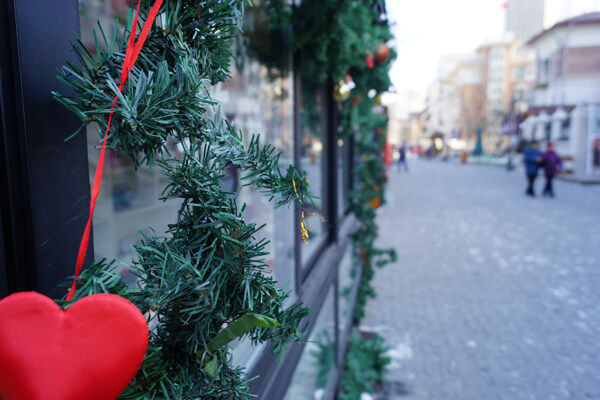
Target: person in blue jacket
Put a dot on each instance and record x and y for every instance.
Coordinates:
(531, 158)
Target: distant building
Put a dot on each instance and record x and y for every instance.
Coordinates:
(403, 113)
(484, 90)
(471, 95)
(522, 76)
(496, 80)
(466, 102)
(566, 99)
(508, 73)
(443, 97)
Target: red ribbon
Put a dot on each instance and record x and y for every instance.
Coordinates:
(131, 55)
(369, 60)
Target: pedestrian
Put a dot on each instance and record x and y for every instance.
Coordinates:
(402, 157)
(551, 163)
(531, 158)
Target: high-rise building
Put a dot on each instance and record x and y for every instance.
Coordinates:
(524, 18)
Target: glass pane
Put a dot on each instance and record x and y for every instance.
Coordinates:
(317, 361)
(258, 99)
(129, 200)
(312, 162)
(343, 148)
(347, 280)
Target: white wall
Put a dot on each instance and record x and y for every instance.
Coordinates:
(571, 89)
(559, 10)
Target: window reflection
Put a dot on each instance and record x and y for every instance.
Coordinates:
(347, 279)
(128, 202)
(343, 172)
(312, 162)
(258, 99)
(317, 361)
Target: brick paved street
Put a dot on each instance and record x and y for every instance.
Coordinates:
(495, 295)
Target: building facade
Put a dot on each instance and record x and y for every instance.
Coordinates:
(404, 126)
(46, 182)
(566, 98)
(481, 92)
(442, 114)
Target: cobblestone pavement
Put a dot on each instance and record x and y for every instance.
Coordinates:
(495, 295)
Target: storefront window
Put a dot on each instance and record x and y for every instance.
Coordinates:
(318, 358)
(343, 179)
(312, 162)
(347, 279)
(258, 100)
(128, 205)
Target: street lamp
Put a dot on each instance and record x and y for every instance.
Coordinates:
(509, 162)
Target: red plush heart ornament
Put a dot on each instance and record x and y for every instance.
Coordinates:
(92, 350)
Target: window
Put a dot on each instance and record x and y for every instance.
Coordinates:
(258, 99)
(348, 272)
(344, 175)
(544, 72)
(310, 378)
(313, 162)
(565, 129)
(129, 199)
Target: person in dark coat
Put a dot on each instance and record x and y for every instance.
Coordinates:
(531, 158)
(551, 163)
(402, 157)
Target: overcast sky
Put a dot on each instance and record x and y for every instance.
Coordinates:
(426, 29)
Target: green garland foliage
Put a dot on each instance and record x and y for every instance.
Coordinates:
(368, 131)
(365, 366)
(358, 121)
(333, 38)
(203, 282)
(324, 356)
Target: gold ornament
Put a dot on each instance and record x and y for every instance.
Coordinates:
(341, 91)
(378, 99)
(304, 229)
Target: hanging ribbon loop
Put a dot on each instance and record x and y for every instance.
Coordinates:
(131, 54)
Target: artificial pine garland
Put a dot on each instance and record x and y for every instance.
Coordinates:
(203, 283)
(333, 38)
(207, 271)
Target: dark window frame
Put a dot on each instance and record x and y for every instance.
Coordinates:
(45, 205)
(329, 160)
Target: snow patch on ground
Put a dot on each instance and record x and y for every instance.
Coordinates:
(401, 352)
(560, 292)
